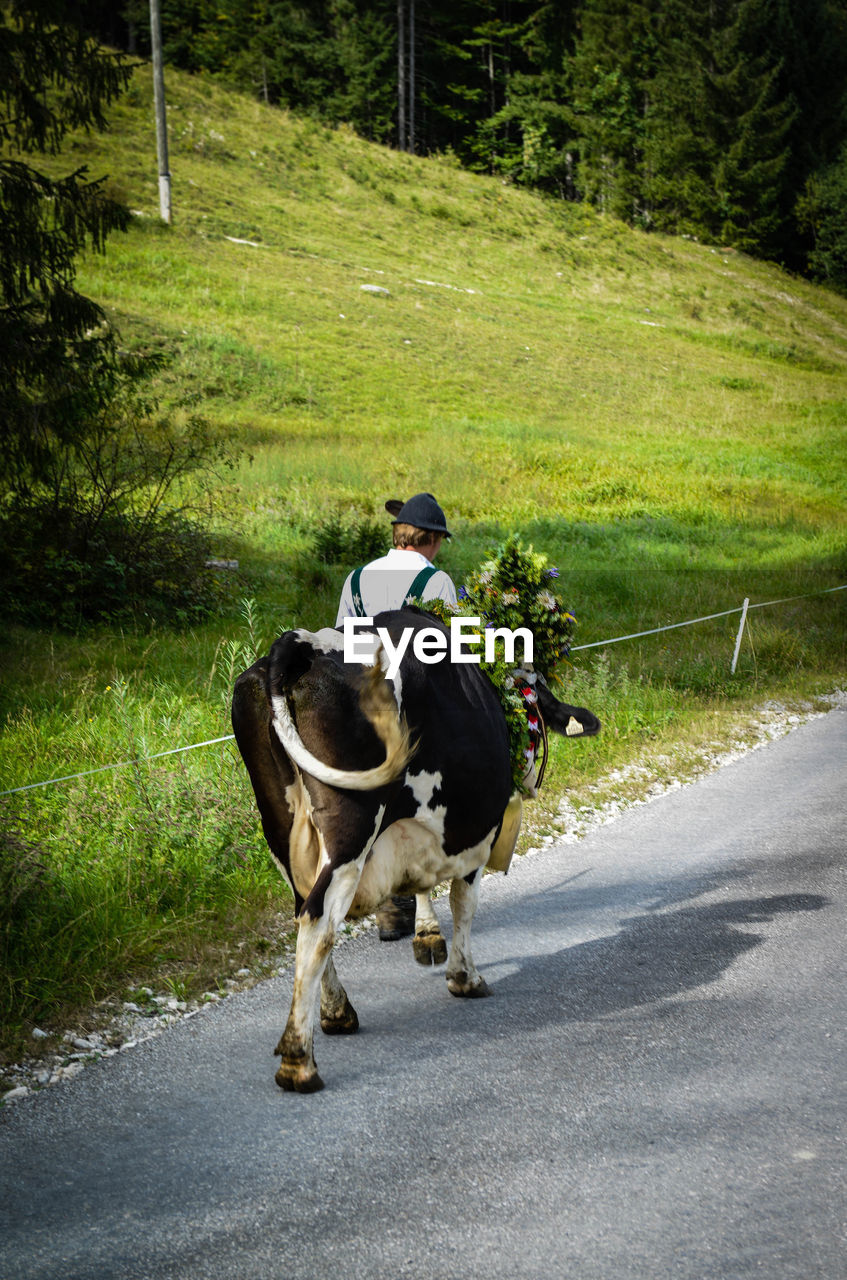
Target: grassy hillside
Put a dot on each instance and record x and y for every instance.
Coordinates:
(665, 420)
(530, 362)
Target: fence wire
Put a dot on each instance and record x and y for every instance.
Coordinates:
(595, 644)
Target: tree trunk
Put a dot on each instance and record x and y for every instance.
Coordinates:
(401, 77)
(412, 75)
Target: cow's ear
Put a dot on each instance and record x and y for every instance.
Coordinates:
(290, 658)
(572, 722)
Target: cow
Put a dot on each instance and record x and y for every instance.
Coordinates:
(369, 787)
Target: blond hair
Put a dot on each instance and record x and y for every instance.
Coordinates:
(408, 535)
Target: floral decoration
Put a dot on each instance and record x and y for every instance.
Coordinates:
(513, 589)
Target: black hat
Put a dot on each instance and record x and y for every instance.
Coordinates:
(422, 511)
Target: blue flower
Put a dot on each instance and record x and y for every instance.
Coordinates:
(552, 573)
(463, 593)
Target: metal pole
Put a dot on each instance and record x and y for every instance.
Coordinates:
(161, 118)
(740, 634)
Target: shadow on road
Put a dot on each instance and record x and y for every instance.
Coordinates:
(654, 956)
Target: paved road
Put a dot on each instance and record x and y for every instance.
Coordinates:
(656, 1089)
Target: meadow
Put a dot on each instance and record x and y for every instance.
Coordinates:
(665, 420)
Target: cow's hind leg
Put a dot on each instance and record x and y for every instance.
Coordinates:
(332, 895)
(428, 944)
(297, 1071)
(338, 1017)
(462, 977)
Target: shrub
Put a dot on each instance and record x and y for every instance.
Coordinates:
(59, 573)
(105, 534)
(349, 541)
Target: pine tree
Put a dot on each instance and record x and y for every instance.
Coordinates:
(610, 71)
(453, 79)
(56, 354)
(678, 146)
(822, 214)
(751, 125)
(811, 40)
(717, 128)
(365, 94)
(532, 134)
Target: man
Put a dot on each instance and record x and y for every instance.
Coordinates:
(406, 572)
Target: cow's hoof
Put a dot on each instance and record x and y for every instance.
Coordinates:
(429, 948)
(297, 1080)
(343, 1024)
(459, 986)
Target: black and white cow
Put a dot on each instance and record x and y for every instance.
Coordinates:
(369, 787)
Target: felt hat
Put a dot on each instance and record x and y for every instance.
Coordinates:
(422, 511)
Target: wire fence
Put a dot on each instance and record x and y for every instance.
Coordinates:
(742, 609)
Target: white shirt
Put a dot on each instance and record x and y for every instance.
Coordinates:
(384, 584)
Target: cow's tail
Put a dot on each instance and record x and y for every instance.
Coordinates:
(376, 699)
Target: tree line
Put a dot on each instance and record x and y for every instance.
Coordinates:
(724, 120)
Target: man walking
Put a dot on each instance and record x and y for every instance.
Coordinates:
(406, 573)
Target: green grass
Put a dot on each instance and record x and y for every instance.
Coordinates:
(664, 420)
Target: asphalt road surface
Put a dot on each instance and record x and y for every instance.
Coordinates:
(656, 1088)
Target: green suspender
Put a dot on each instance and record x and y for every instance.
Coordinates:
(420, 581)
(416, 588)
(357, 594)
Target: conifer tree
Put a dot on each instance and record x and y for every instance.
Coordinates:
(717, 135)
(678, 146)
(751, 125)
(611, 67)
(811, 41)
(822, 214)
(534, 129)
(56, 355)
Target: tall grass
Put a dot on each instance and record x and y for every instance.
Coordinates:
(111, 877)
